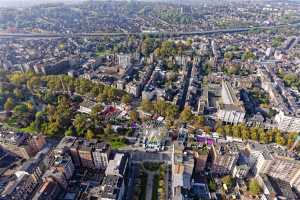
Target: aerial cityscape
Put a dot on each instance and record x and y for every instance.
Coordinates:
(150, 100)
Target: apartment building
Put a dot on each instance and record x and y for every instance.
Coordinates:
(21, 144)
(224, 158)
(100, 155)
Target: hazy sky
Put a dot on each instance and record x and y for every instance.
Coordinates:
(22, 3)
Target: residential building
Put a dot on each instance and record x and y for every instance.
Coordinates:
(65, 165)
(21, 144)
(49, 190)
(100, 155)
(224, 158)
(20, 188)
(117, 166)
(111, 188)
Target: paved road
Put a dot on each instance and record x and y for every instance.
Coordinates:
(157, 34)
(149, 185)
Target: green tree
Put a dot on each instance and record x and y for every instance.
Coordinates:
(228, 55)
(171, 111)
(126, 99)
(199, 121)
(108, 130)
(9, 104)
(292, 136)
(228, 181)
(254, 187)
(148, 46)
(227, 130)
(186, 115)
(79, 124)
(253, 134)
(89, 135)
(245, 134)
(220, 130)
(33, 83)
(69, 132)
(18, 78)
(279, 139)
(146, 105)
(212, 186)
(159, 107)
(18, 93)
(96, 110)
(262, 136)
(133, 115)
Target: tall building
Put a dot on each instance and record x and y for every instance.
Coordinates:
(75, 153)
(88, 154)
(117, 166)
(65, 165)
(20, 188)
(100, 155)
(124, 60)
(111, 188)
(49, 190)
(21, 144)
(224, 158)
(288, 122)
(37, 142)
(85, 154)
(113, 185)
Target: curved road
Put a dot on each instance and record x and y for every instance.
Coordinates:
(156, 34)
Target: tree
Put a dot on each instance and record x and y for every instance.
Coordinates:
(279, 139)
(168, 48)
(96, 110)
(254, 134)
(133, 115)
(126, 99)
(207, 129)
(33, 83)
(248, 55)
(227, 130)
(186, 115)
(18, 78)
(22, 116)
(146, 105)
(254, 187)
(291, 138)
(18, 93)
(212, 186)
(9, 104)
(108, 130)
(171, 111)
(69, 132)
(220, 130)
(228, 181)
(89, 135)
(262, 136)
(148, 46)
(199, 121)
(228, 55)
(52, 129)
(79, 124)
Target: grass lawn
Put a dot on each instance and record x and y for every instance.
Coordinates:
(117, 143)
